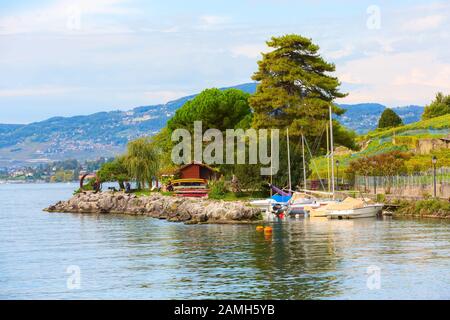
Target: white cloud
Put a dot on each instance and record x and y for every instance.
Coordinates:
(424, 23)
(163, 96)
(252, 51)
(212, 22)
(341, 53)
(35, 91)
(66, 16)
(401, 78)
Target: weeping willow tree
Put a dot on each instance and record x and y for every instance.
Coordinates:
(142, 161)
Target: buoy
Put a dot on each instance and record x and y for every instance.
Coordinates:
(259, 228)
(268, 230)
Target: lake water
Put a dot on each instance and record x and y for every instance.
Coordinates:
(144, 258)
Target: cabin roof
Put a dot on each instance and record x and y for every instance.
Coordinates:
(198, 164)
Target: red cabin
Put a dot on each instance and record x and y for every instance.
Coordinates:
(193, 179)
(196, 170)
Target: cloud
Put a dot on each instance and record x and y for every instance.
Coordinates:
(252, 51)
(35, 91)
(212, 22)
(400, 78)
(66, 16)
(163, 96)
(341, 53)
(424, 23)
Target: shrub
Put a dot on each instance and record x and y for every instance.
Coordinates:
(217, 189)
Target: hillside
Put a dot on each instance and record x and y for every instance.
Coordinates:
(105, 134)
(404, 138)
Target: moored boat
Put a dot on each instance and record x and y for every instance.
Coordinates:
(352, 208)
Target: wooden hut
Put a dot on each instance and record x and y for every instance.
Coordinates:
(197, 170)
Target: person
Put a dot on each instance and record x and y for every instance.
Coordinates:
(169, 186)
(127, 187)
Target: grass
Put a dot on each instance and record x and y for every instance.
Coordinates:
(425, 208)
(243, 196)
(147, 192)
(228, 196)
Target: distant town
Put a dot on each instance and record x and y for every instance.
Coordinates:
(58, 171)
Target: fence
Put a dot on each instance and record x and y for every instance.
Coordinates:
(419, 185)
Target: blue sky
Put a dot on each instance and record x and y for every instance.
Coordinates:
(67, 57)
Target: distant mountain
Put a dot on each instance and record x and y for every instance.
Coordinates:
(364, 117)
(102, 134)
(106, 134)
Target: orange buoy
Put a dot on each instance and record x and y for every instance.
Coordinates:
(268, 230)
(259, 228)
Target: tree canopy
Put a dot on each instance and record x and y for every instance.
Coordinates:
(142, 161)
(218, 109)
(438, 107)
(389, 119)
(295, 89)
(114, 171)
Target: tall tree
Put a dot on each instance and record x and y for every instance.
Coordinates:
(439, 107)
(295, 88)
(389, 119)
(142, 161)
(114, 171)
(217, 109)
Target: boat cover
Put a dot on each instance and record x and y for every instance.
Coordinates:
(348, 204)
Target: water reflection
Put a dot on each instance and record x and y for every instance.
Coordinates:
(139, 257)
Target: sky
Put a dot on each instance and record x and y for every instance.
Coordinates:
(71, 57)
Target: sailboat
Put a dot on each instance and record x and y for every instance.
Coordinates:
(350, 208)
(303, 203)
(279, 198)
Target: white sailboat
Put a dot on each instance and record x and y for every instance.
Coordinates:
(350, 208)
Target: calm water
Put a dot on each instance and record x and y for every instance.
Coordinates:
(144, 258)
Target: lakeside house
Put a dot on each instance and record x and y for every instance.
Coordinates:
(197, 170)
(191, 179)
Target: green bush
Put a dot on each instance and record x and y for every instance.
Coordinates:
(217, 189)
(428, 207)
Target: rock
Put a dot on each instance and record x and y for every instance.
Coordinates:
(175, 209)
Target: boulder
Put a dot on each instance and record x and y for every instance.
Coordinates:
(176, 209)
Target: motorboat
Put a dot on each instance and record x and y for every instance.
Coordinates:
(352, 208)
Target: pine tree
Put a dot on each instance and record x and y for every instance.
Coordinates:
(295, 88)
(389, 119)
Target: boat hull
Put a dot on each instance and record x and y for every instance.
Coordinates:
(365, 212)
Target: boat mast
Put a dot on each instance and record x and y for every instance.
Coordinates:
(328, 157)
(304, 165)
(271, 168)
(332, 151)
(289, 160)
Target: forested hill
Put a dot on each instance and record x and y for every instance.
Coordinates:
(105, 134)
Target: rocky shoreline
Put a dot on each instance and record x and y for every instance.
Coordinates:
(175, 209)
